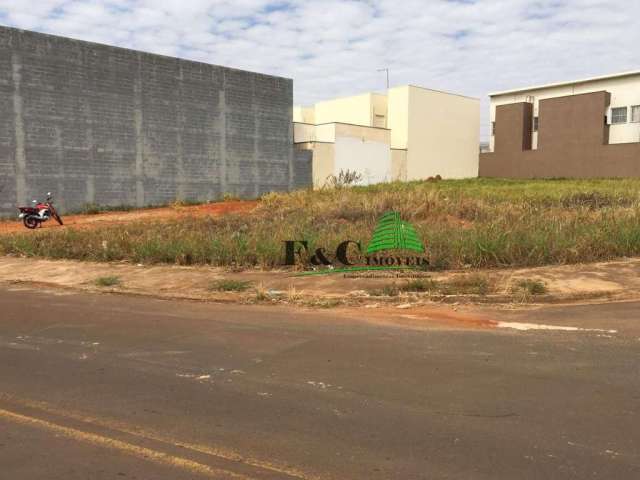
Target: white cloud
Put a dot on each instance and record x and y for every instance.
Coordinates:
(334, 47)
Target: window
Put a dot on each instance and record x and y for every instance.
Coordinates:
(379, 121)
(493, 128)
(536, 124)
(635, 114)
(618, 115)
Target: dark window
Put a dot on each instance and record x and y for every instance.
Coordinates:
(536, 124)
(493, 128)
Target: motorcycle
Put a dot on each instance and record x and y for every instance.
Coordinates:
(40, 212)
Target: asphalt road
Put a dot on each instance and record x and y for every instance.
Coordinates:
(105, 387)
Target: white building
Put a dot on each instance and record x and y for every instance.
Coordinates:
(411, 133)
(623, 115)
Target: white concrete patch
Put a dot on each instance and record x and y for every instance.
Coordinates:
(323, 386)
(612, 453)
(536, 326)
(405, 306)
(320, 385)
(196, 377)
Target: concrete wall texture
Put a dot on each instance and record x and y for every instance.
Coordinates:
(442, 136)
(573, 141)
(363, 150)
(104, 125)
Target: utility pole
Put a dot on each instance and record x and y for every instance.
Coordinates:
(385, 70)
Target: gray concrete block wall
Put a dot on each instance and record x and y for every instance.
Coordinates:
(303, 169)
(103, 125)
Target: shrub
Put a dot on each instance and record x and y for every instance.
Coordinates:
(345, 178)
(230, 286)
(420, 285)
(474, 284)
(108, 281)
(530, 287)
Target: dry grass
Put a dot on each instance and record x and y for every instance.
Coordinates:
(108, 281)
(472, 223)
(229, 286)
(527, 290)
(473, 284)
(531, 287)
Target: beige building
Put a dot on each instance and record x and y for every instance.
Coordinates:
(411, 133)
(623, 114)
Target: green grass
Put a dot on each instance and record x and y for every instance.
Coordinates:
(108, 281)
(419, 285)
(479, 223)
(530, 287)
(95, 209)
(473, 284)
(230, 286)
(466, 285)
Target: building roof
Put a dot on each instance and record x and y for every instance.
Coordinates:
(440, 91)
(562, 84)
(379, 94)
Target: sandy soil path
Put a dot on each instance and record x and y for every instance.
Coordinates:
(619, 280)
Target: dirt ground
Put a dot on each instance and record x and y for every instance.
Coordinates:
(619, 280)
(114, 218)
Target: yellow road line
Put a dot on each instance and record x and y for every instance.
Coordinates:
(134, 430)
(143, 453)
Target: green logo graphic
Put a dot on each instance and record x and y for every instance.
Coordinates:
(392, 233)
(395, 245)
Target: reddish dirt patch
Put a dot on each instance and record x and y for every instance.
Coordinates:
(116, 218)
(425, 316)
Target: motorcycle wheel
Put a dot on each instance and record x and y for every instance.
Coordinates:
(30, 222)
(58, 218)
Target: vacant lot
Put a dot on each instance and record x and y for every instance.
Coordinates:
(472, 223)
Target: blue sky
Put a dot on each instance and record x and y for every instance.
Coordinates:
(335, 47)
